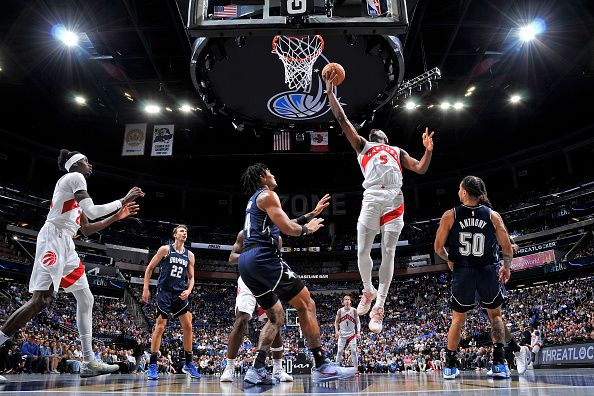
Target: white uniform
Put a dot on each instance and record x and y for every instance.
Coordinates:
(56, 261)
(246, 302)
(383, 202)
(536, 341)
(347, 326)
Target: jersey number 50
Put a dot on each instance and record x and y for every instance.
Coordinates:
(472, 244)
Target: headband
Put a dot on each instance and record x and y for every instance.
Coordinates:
(75, 158)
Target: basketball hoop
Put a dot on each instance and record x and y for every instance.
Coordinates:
(298, 55)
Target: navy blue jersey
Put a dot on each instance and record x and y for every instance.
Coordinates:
(174, 270)
(472, 241)
(257, 227)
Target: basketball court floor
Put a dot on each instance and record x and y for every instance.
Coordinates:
(568, 382)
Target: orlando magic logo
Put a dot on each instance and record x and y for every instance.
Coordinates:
(303, 104)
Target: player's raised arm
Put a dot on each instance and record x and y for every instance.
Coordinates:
(268, 201)
(415, 165)
(87, 228)
(357, 141)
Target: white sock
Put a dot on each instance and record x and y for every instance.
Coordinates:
(386, 271)
(84, 321)
(3, 338)
(231, 363)
(277, 365)
(365, 237)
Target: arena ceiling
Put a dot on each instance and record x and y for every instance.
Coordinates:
(139, 50)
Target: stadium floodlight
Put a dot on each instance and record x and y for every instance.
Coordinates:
(67, 37)
(445, 105)
(186, 108)
(530, 31)
(152, 109)
(410, 105)
(458, 105)
(81, 100)
(515, 99)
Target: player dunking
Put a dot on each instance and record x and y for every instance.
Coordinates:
(175, 284)
(245, 303)
(269, 277)
(472, 232)
(348, 328)
(57, 264)
(382, 209)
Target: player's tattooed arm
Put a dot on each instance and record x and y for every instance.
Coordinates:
(445, 225)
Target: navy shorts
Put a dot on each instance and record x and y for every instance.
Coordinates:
(169, 303)
(470, 284)
(268, 276)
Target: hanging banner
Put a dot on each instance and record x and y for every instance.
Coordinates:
(162, 140)
(134, 138)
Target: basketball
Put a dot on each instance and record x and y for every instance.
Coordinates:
(334, 67)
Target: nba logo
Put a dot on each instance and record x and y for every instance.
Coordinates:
(373, 8)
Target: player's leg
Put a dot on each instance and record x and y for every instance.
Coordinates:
(462, 300)
(353, 346)
(163, 307)
(257, 374)
(340, 351)
(365, 237)
(239, 328)
(185, 319)
(277, 351)
(75, 281)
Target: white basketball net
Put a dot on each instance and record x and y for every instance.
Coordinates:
(298, 55)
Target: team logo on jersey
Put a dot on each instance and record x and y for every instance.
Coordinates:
(49, 258)
(303, 104)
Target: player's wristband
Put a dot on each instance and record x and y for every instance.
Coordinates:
(302, 220)
(304, 230)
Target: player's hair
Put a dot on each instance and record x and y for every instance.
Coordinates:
(63, 157)
(346, 295)
(250, 180)
(185, 227)
(374, 135)
(475, 187)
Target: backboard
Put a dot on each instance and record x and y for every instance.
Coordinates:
(234, 18)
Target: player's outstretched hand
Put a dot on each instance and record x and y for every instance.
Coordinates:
(504, 274)
(322, 204)
(129, 209)
(314, 225)
(146, 295)
(135, 192)
(329, 79)
(428, 139)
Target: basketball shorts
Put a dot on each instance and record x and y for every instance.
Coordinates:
(268, 276)
(382, 209)
(56, 262)
(347, 341)
(246, 302)
(169, 303)
(470, 284)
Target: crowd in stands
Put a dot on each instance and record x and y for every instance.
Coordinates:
(413, 338)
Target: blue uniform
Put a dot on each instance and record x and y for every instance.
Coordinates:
(261, 266)
(173, 280)
(472, 247)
